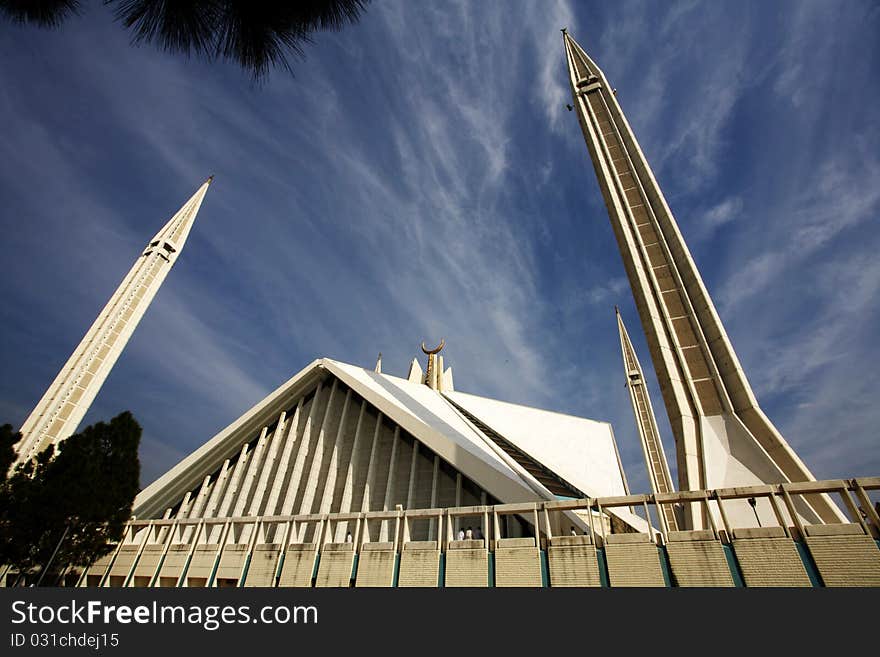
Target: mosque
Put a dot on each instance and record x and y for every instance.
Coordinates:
(350, 476)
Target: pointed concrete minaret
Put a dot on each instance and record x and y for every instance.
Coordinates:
(655, 457)
(722, 436)
(66, 401)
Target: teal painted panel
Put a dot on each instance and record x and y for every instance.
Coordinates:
(213, 571)
(733, 566)
(158, 570)
(809, 566)
(664, 565)
(545, 570)
(247, 565)
(354, 569)
(603, 567)
(315, 569)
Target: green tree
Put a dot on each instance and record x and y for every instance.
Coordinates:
(8, 438)
(257, 35)
(82, 494)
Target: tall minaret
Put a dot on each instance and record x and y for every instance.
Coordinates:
(722, 436)
(62, 408)
(655, 457)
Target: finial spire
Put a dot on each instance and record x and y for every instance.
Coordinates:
(434, 373)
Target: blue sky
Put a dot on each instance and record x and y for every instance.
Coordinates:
(420, 178)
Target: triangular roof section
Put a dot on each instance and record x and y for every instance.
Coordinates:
(416, 408)
(581, 451)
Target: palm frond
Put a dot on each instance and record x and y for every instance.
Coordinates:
(257, 34)
(43, 13)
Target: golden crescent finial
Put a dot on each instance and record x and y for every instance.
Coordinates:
(435, 349)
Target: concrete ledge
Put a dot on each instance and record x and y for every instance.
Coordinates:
(420, 545)
(468, 568)
(377, 546)
(267, 546)
(770, 561)
(634, 563)
(263, 566)
(419, 567)
(697, 535)
(835, 529)
(617, 539)
(846, 560)
(513, 542)
(518, 566)
(334, 568)
(573, 565)
(557, 541)
(337, 547)
(376, 567)
(758, 532)
(235, 547)
(470, 544)
(698, 563)
(302, 547)
(299, 565)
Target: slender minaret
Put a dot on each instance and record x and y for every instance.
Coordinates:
(655, 457)
(722, 436)
(62, 408)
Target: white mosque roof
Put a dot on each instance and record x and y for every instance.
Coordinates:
(579, 450)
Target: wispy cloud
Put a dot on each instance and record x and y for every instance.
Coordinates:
(420, 178)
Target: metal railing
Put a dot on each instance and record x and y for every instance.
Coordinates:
(544, 519)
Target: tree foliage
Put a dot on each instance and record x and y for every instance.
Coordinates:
(8, 438)
(256, 34)
(45, 13)
(82, 493)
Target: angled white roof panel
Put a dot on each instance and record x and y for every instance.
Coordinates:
(580, 450)
(429, 417)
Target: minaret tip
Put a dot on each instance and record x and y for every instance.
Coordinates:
(434, 374)
(210, 178)
(564, 30)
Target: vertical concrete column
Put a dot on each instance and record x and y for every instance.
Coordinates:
(267, 466)
(371, 466)
(201, 500)
(433, 494)
(411, 491)
(183, 511)
(314, 472)
(281, 473)
(350, 471)
(390, 482)
(232, 489)
(326, 502)
(250, 475)
(457, 500)
(299, 464)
